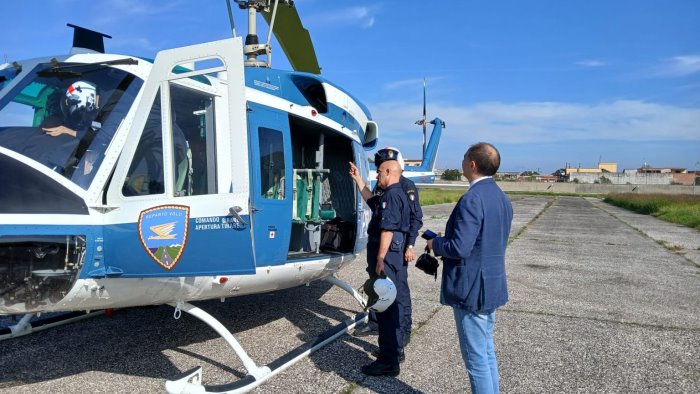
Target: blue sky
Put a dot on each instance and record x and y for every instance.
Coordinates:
(549, 82)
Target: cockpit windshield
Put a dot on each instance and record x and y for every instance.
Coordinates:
(64, 115)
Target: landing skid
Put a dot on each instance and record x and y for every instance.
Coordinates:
(191, 381)
(26, 326)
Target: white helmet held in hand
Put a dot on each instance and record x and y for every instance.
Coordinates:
(381, 293)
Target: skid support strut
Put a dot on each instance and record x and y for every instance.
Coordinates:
(26, 325)
(191, 381)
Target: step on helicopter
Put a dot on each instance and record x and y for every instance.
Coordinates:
(220, 176)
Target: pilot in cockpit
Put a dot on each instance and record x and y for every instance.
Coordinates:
(79, 106)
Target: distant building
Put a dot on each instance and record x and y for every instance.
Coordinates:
(646, 174)
(546, 178)
(602, 167)
(507, 176)
(661, 170)
(679, 176)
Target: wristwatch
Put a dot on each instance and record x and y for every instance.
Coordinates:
(410, 246)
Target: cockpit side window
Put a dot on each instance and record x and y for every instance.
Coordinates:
(194, 141)
(145, 174)
(64, 116)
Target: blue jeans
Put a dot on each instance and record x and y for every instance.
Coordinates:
(475, 332)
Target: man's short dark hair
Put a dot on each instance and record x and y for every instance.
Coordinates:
(485, 156)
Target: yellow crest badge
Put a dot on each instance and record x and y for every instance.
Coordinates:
(163, 232)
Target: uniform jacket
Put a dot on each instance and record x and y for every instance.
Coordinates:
(390, 212)
(474, 247)
(416, 213)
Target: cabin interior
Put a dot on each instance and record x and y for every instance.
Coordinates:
(323, 214)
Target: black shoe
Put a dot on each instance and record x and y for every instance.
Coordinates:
(364, 330)
(402, 355)
(380, 369)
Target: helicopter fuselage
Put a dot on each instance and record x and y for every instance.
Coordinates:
(193, 178)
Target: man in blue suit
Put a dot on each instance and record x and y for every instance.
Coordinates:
(474, 272)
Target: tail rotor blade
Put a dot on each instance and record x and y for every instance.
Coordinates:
(294, 39)
(424, 120)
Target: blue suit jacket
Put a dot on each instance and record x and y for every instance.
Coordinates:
(474, 248)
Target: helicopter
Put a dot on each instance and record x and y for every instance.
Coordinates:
(200, 174)
(423, 173)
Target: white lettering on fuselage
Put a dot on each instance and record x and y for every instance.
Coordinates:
(216, 223)
(265, 85)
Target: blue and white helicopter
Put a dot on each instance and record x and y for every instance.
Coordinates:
(424, 173)
(200, 174)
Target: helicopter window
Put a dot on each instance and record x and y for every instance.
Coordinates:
(66, 120)
(271, 163)
(194, 141)
(313, 91)
(209, 66)
(145, 174)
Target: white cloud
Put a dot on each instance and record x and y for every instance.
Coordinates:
(679, 66)
(591, 63)
(403, 83)
(363, 17)
(117, 13)
(545, 121)
(415, 83)
(141, 43)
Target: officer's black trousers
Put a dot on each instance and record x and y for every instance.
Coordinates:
(390, 335)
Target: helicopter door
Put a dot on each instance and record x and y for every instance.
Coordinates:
(178, 196)
(271, 166)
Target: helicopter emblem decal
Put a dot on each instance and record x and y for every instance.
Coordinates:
(163, 233)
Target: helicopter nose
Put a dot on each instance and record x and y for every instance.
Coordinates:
(36, 272)
(25, 189)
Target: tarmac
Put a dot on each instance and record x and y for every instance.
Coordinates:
(601, 301)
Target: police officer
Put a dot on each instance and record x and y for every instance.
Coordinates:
(415, 223)
(385, 254)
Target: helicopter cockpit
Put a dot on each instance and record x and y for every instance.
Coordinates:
(64, 115)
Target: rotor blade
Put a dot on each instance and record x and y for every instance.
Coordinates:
(294, 39)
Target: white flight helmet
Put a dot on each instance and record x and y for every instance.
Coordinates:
(381, 293)
(388, 153)
(81, 98)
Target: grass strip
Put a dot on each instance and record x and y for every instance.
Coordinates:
(681, 209)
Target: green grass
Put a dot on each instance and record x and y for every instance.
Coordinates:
(444, 196)
(439, 196)
(680, 209)
(562, 194)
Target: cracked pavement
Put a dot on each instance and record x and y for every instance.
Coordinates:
(601, 300)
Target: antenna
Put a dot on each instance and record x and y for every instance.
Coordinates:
(86, 40)
(230, 18)
(422, 122)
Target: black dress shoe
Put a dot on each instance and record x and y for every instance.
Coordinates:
(380, 369)
(402, 355)
(364, 330)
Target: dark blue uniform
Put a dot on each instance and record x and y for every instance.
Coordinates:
(403, 292)
(390, 212)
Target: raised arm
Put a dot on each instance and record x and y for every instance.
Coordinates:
(361, 185)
